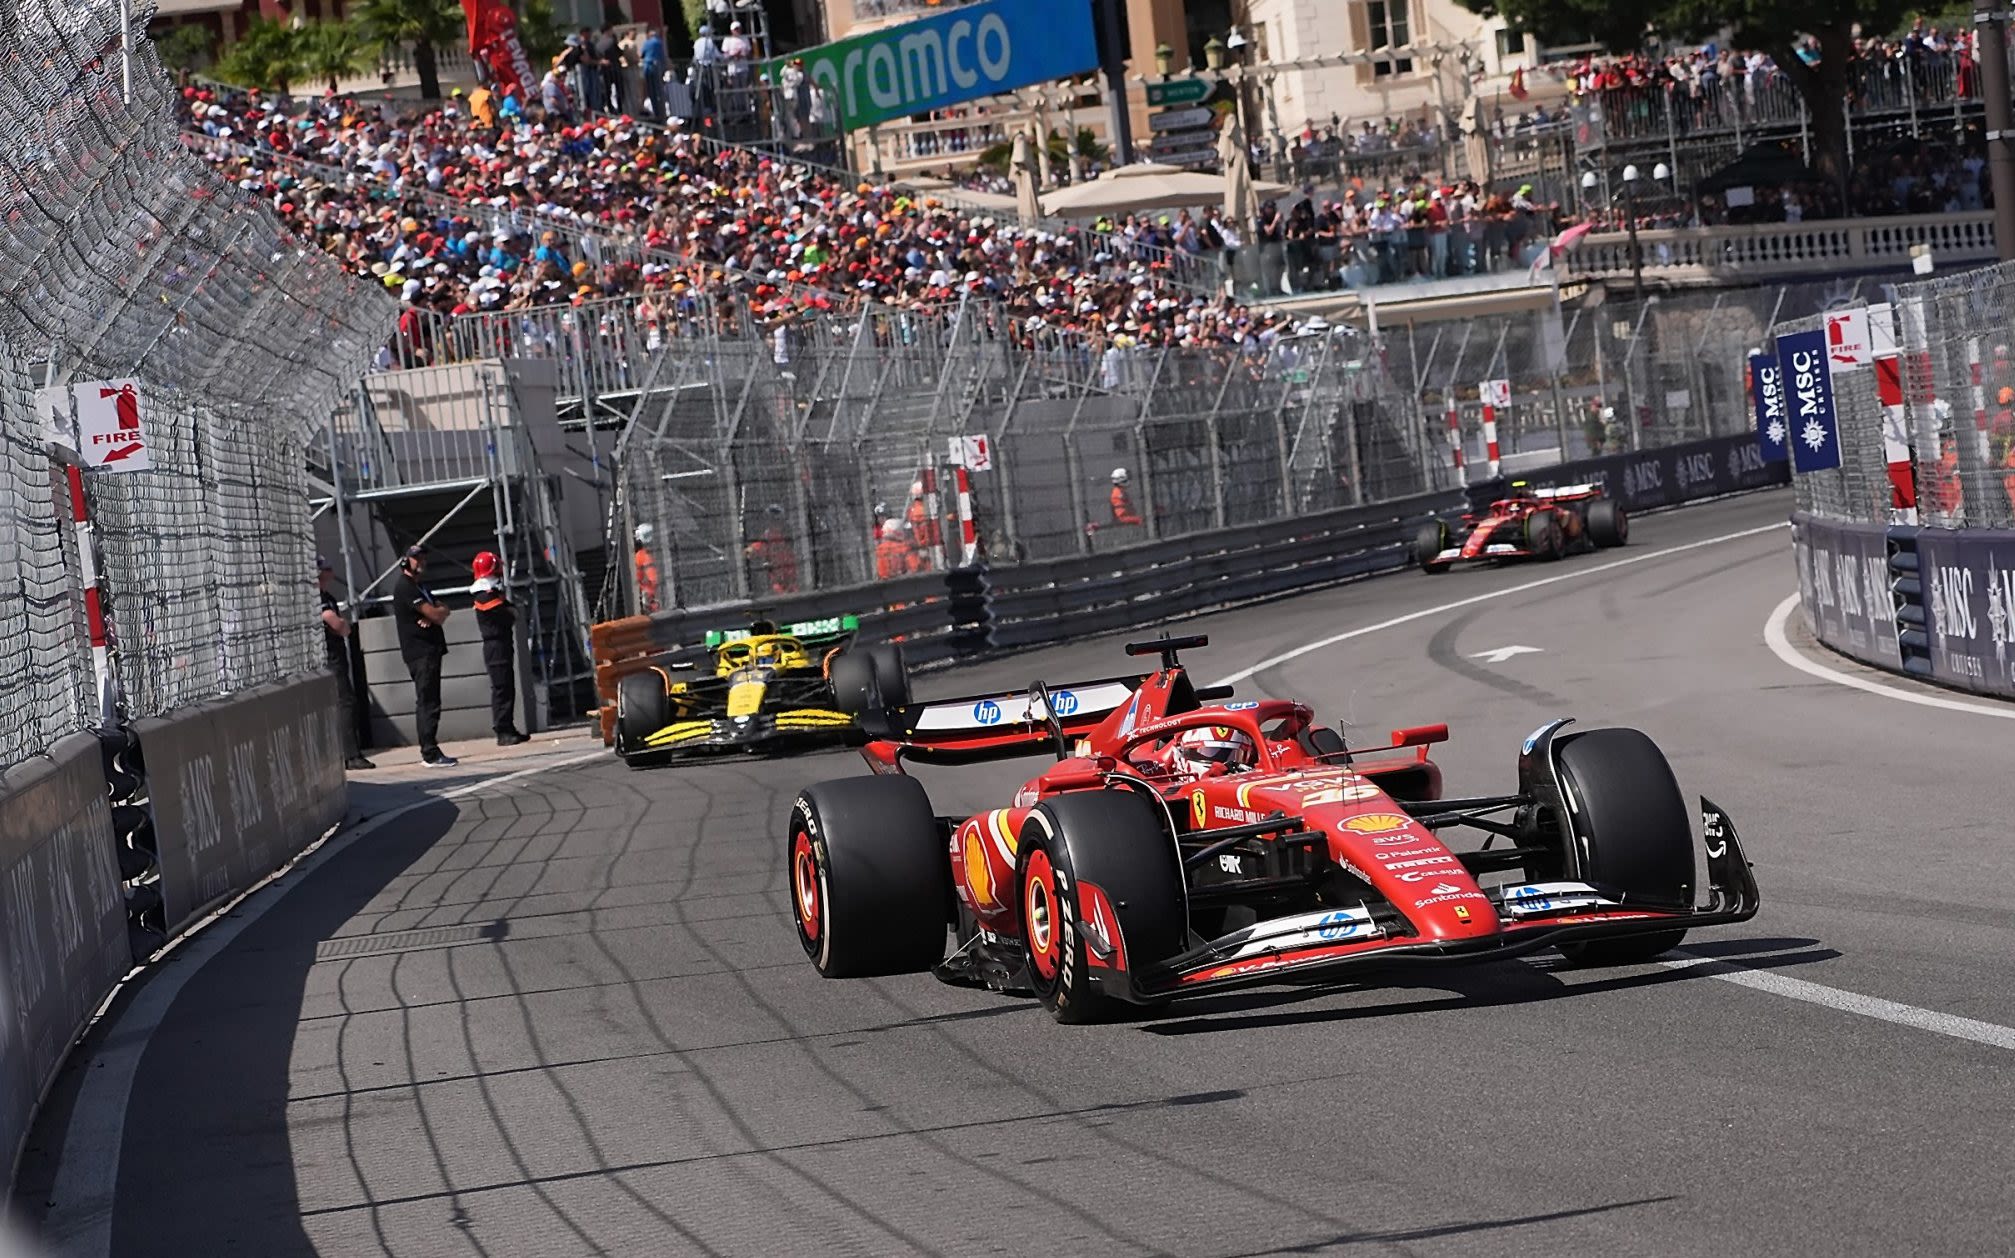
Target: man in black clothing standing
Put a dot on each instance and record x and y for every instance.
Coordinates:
(336, 641)
(419, 617)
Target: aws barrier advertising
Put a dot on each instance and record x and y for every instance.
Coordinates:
(1843, 585)
(62, 920)
(239, 787)
(952, 57)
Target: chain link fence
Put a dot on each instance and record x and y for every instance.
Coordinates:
(125, 258)
(1928, 427)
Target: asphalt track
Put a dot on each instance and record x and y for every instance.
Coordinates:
(568, 1016)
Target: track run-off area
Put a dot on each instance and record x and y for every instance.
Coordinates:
(566, 1013)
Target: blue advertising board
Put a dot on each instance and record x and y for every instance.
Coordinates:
(1766, 392)
(1808, 391)
(959, 55)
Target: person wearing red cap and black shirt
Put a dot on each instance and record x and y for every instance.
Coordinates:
(336, 642)
(419, 617)
(495, 618)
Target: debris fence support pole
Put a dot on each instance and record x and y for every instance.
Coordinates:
(937, 541)
(1454, 432)
(1490, 451)
(1992, 58)
(94, 601)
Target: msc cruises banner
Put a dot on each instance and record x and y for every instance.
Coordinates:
(962, 54)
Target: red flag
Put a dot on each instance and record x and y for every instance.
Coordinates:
(493, 40)
(1518, 91)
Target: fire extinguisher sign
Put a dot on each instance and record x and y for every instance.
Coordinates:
(109, 429)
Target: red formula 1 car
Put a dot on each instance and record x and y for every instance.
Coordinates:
(1178, 845)
(1525, 524)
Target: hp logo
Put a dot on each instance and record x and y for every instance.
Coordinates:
(1062, 702)
(987, 712)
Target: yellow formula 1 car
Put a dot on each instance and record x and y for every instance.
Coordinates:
(762, 688)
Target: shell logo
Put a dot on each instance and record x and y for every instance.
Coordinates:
(1376, 823)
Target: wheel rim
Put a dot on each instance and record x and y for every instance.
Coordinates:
(805, 895)
(1039, 921)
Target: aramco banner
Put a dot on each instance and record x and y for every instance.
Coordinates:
(959, 55)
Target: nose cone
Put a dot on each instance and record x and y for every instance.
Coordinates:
(1409, 866)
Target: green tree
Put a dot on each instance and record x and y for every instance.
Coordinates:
(267, 55)
(426, 25)
(1771, 26)
(539, 31)
(329, 51)
(190, 46)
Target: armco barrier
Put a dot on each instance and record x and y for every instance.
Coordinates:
(1151, 582)
(239, 787)
(63, 937)
(1672, 475)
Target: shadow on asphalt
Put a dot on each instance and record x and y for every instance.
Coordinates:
(1476, 987)
(1400, 1236)
(196, 1158)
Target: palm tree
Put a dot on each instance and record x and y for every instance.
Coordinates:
(426, 25)
(329, 51)
(267, 55)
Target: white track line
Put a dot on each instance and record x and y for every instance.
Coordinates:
(1779, 643)
(1991, 1034)
(1760, 980)
(1574, 575)
(79, 1221)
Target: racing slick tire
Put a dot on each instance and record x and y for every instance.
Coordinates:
(1542, 536)
(1115, 840)
(1608, 523)
(1429, 540)
(1635, 836)
(642, 709)
(869, 881)
(892, 675)
(858, 685)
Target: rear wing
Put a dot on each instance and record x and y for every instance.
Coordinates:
(1593, 489)
(810, 632)
(1001, 726)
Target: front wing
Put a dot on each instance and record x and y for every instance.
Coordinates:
(790, 727)
(1323, 946)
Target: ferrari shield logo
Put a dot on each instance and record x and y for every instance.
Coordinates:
(1196, 809)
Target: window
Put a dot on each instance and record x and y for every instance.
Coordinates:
(1510, 43)
(1389, 27)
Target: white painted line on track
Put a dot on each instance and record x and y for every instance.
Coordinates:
(1779, 643)
(79, 1223)
(1309, 648)
(1991, 1034)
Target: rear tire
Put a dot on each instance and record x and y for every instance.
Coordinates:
(1114, 840)
(1542, 536)
(855, 688)
(1635, 836)
(891, 673)
(870, 883)
(1608, 524)
(642, 709)
(1429, 540)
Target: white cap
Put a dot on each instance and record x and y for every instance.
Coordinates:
(1119, 476)
(644, 532)
(892, 530)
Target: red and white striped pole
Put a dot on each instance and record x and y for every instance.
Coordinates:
(94, 602)
(1454, 432)
(1495, 393)
(969, 541)
(937, 539)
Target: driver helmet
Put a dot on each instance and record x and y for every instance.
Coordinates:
(1198, 751)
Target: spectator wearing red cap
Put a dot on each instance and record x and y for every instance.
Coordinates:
(497, 620)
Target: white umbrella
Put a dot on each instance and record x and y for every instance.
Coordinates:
(1240, 205)
(1148, 186)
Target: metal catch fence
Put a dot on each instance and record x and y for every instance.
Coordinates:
(849, 450)
(1927, 429)
(125, 259)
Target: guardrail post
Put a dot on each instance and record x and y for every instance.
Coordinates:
(1906, 591)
